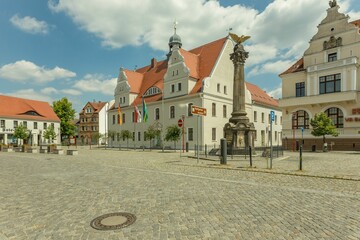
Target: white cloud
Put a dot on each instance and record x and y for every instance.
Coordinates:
(25, 71)
(71, 92)
(276, 93)
(276, 67)
(49, 91)
(96, 83)
(30, 24)
(31, 94)
(282, 31)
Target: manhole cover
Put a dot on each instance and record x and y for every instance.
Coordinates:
(112, 221)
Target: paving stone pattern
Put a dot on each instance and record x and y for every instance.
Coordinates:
(45, 196)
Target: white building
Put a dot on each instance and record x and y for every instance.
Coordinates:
(325, 79)
(37, 116)
(202, 77)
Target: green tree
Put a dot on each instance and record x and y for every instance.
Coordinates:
(50, 133)
(21, 132)
(151, 133)
(126, 134)
(97, 136)
(322, 126)
(63, 109)
(173, 134)
(111, 135)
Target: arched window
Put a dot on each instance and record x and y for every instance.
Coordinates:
(172, 112)
(300, 119)
(336, 115)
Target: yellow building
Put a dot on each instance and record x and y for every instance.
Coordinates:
(325, 79)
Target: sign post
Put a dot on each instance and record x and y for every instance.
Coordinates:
(182, 126)
(200, 112)
(272, 118)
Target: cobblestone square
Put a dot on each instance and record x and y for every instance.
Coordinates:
(47, 196)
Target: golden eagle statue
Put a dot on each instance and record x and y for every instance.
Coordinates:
(238, 39)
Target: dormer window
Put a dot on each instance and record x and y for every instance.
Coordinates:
(32, 113)
(332, 57)
(88, 110)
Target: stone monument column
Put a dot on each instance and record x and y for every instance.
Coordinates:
(238, 57)
(239, 131)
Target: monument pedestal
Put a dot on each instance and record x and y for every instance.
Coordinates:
(239, 138)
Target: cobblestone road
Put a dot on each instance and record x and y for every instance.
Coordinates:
(47, 196)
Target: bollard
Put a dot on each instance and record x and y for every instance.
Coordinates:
(206, 150)
(250, 156)
(300, 165)
(187, 146)
(195, 149)
(223, 145)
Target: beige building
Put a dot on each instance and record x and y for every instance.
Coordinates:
(325, 79)
(201, 77)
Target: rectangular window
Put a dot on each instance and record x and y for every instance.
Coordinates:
(190, 109)
(213, 134)
(224, 111)
(157, 113)
(275, 119)
(300, 89)
(25, 124)
(139, 136)
(330, 84)
(179, 87)
(262, 117)
(144, 136)
(255, 116)
(172, 112)
(225, 90)
(276, 136)
(133, 136)
(172, 88)
(123, 118)
(15, 124)
(2, 125)
(213, 109)
(218, 87)
(332, 57)
(35, 125)
(190, 134)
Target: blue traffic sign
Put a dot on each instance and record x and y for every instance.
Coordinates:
(272, 116)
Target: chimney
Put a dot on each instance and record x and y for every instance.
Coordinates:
(153, 62)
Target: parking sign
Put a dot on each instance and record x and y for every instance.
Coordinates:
(272, 115)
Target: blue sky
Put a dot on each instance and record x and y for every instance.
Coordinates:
(51, 49)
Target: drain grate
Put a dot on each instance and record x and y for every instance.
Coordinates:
(113, 221)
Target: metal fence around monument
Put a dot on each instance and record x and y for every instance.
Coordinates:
(213, 152)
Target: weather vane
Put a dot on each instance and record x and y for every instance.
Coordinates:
(175, 24)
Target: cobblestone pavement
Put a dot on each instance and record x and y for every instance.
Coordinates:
(45, 196)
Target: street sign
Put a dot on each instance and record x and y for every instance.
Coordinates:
(302, 129)
(272, 115)
(198, 110)
(180, 123)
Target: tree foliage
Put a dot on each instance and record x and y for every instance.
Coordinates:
(50, 133)
(97, 136)
(21, 132)
(63, 109)
(322, 126)
(173, 134)
(151, 133)
(126, 134)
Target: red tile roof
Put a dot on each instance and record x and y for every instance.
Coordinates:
(260, 96)
(97, 106)
(200, 61)
(297, 67)
(20, 108)
(356, 22)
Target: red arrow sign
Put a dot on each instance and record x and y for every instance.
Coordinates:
(180, 123)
